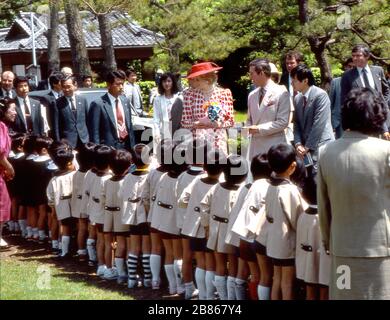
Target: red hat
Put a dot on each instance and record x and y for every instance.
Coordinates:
(202, 68)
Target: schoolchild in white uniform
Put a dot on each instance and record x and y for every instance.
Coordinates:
(86, 186)
(96, 201)
(59, 195)
(113, 211)
(216, 207)
(195, 158)
(134, 216)
(84, 158)
(308, 246)
(148, 200)
(283, 206)
(164, 220)
(248, 208)
(194, 231)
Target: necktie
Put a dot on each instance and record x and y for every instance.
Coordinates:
(261, 96)
(304, 101)
(8, 95)
(28, 116)
(73, 107)
(365, 78)
(120, 121)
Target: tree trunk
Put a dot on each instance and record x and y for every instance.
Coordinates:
(52, 38)
(107, 44)
(79, 52)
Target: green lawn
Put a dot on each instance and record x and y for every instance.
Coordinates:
(240, 116)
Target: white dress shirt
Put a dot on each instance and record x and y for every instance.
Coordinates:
(369, 76)
(112, 101)
(46, 127)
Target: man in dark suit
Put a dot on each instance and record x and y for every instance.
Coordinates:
(30, 117)
(49, 100)
(7, 85)
(109, 117)
(291, 60)
(70, 115)
(363, 75)
(312, 119)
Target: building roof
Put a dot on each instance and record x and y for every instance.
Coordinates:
(125, 32)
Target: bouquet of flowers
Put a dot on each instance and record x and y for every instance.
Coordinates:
(215, 113)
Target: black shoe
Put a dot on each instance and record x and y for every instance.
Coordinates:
(56, 251)
(92, 263)
(64, 257)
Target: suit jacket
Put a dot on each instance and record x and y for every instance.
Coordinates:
(176, 114)
(66, 126)
(284, 80)
(49, 102)
(351, 80)
(354, 196)
(20, 126)
(312, 124)
(12, 90)
(335, 102)
(271, 117)
(102, 126)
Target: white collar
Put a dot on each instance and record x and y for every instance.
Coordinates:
(11, 154)
(307, 93)
(52, 166)
(366, 67)
(314, 206)
(112, 99)
(195, 168)
(31, 157)
(19, 155)
(42, 158)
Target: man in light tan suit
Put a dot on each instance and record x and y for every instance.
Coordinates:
(268, 109)
(354, 201)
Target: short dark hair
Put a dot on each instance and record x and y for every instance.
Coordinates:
(303, 72)
(20, 79)
(5, 104)
(292, 54)
(309, 190)
(347, 62)
(364, 110)
(62, 157)
(164, 77)
(17, 141)
(86, 76)
(129, 71)
(85, 155)
(103, 156)
(197, 151)
(55, 78)
(362, 48)
(240, 164)
(281, 156)
(120, 162)
(112, 75)
(261, 65)
(214, 163)
(165, 152)
(29, 144)
(42, 142)
(260, 168)
(140, 154)
(299, 173)
(69, 77)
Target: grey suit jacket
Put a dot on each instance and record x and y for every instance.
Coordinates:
(335, 102)
(354, 196)
(312, 124)
(20, 126)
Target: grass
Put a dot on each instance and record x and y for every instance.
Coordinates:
(240, 116)
(34, 280)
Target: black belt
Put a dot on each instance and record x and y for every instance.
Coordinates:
(269, 219)
(96, 200)
(87, 193)
(154, 198)
(112, 208)
(164, 205)
(79, 196)
(66, 197)
(306, 248)
(220, 219)
(134, 200)
(197, 209)
(254, 209)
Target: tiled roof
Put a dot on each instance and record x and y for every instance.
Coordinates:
(125, 32)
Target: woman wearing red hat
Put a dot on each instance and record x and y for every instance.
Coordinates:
(208, 109)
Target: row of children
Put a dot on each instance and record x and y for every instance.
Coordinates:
(194, 206)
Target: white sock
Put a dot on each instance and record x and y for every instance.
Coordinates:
(220, 284)
(155, 266)
(240, 289)
(29, 232)
(59, 243)
(65, 240)
(189, 290)
(54, 244)
(23, 225)
(177, 267)
(264, 293)
(11, 225)
(35, 232)
(49, 234)
(210, 288)
(91, 248)
(120, 266)
(169, 271)
(231, 288)
(146, 267)
(200, 275)
(81, 252)
(41, 234)
(16, 225)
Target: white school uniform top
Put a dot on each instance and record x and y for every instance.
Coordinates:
(86, 189)
(149, 190)
(190, 199)
(283, 206)
(183, 181)
(217, 204)
(164, 218)
(77, 195)
(233, 238)
(251, 217)
(59, 194)
(131, 195)
(96, 199)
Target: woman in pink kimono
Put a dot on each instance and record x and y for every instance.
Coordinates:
(7, 115)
